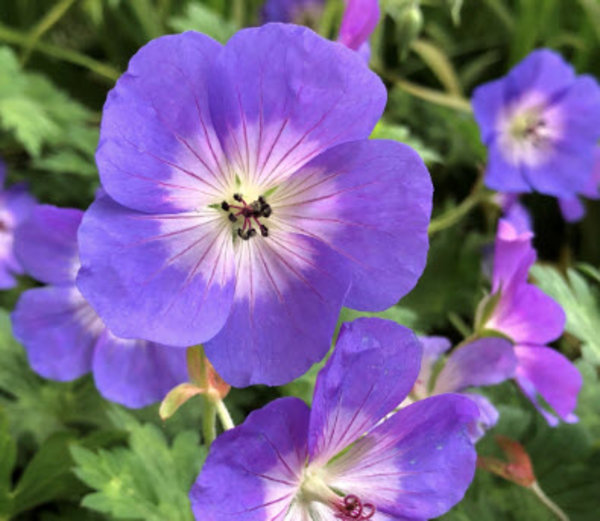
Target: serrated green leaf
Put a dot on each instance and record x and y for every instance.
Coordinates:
(147, 480)
(581, 305)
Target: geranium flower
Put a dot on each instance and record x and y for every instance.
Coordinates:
(15, 205)
(248, 204)
(482, 362)
(340, 461)
(358, 23)
(530, 318)
(541, 124)
(64, 337)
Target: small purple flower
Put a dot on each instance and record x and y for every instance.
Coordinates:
(486, 361)
(247, 203)
(340, 460)
(359, 21)
(64, 337)
(541, 124)
(572, 208)
(15, 205)
(515, 212)
(530, 318)
(300, 12)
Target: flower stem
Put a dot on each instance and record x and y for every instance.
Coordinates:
(536, 489)
(17, 38)
(451, 217)
(51, 18)
(224, 416)
(196, 362)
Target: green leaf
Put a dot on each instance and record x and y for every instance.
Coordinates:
(147, 480)
(198, 17)
(580, 302)
(38, 114)
(384, 130)
(8, 455)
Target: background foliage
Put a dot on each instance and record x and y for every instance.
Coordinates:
(66, 454)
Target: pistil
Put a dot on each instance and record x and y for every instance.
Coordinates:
(251, 215)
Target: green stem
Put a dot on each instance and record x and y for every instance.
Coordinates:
(451, 217)
(239, 13)
(431, 95)
(196, 363)
(17, 38)
(224, 416)
(536, 489)
(43, 26)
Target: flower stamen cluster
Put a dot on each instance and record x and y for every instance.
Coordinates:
(250, 213)
(351, 507)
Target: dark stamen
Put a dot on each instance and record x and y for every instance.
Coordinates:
(266, 211)
(237, 197)
(249, 212)
(225, 206)
(264, 231)
(232, 218)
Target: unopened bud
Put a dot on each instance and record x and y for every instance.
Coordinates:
(408, 18)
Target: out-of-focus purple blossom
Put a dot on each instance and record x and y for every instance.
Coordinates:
(572, 208)
(541, 124)
(358, 23)
(486, 361)
(339, 460)
(15, 205)
(247, 203)
(62, 334)
(514, 211)
(300, 12)
(530, 318)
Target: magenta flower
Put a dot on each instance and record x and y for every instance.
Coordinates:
(486, 361)
(541, 124)
(515, 212)
(64, 337)
(15, 205)
(340, 460)
(530, 318)
(248, 204)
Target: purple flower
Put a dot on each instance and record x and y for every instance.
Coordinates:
(15, 205)
(359, 21)
(486, 361)
(249, 205)
(64, 337)
(541, 124)
(515, 212)
(340, 461)
(530, 318)
(301, 12)
(572, 208)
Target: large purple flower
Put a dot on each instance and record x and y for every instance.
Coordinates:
(340, 461)
(248, 205)
(486, 361)
(15, 205)
(541, 124)
(64, 337)
(530, 318)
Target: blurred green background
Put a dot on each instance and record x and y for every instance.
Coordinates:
(66, 454)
